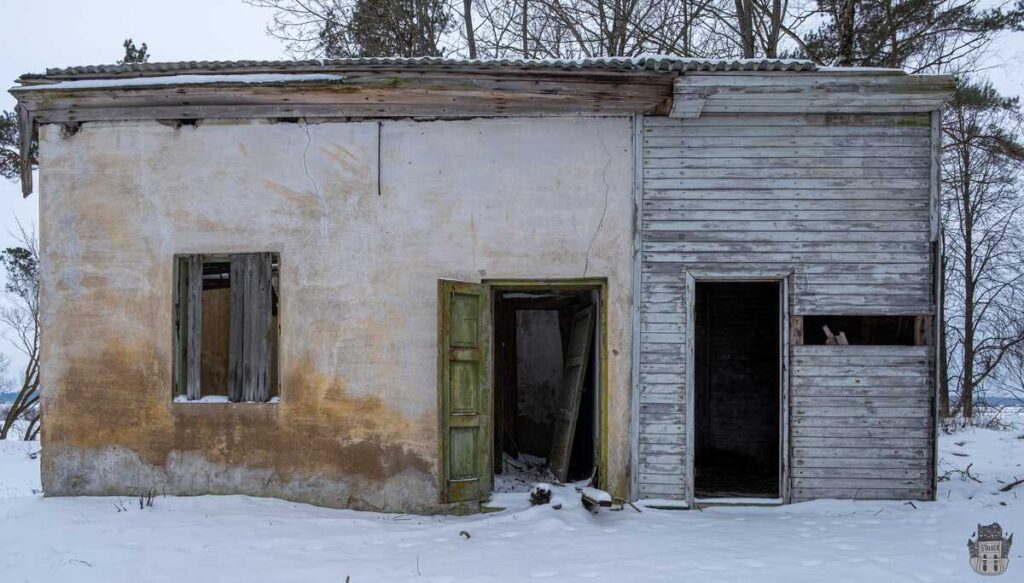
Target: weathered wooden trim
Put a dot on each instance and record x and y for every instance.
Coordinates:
(935, 175)
(599, 284)
(366, 94)
(687, 105)
(691, 295)
(637, 326)
(938, 291)
(26, 130)
(194, 307)
(796, 326)
(822, 92)
(180, 319)
(785, 437)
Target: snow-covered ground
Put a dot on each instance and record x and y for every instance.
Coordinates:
(236, 538)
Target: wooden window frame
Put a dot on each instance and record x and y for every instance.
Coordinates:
(255, 279)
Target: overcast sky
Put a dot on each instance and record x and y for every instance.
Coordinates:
(37, 34)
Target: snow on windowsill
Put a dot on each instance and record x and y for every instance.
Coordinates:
(220, 399)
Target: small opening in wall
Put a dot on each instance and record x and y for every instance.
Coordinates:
(226, 327)
(865, 330)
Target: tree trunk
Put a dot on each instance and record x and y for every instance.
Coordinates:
(467, 16)
(525, 22)
(771, 47)
(745, 21)
(967, 382)
(844, 28)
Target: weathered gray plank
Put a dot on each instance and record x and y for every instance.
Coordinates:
(862, 351)
(918, 390)
(794, 141)
(861, 401)
(860, 442)
(800, 494)
(805, 431)
(783, 152)
(852, 224)
(663, 438)
(839, 473)
(862, 482)
(869, 463)
(194, 308)
(860, 421)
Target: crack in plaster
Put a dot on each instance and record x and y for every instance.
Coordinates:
(322, 201)
(604, 209)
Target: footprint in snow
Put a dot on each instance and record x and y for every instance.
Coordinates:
(543, 574)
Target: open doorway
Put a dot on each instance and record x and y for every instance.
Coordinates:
(546, 385)
(737, 389)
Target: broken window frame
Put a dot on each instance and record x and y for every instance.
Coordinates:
(254, 285)
(918, 332)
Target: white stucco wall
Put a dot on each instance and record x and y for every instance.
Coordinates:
(357, 425)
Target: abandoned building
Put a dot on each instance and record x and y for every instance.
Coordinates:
(365, 283)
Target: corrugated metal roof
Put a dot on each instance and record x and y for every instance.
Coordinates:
(642, 63)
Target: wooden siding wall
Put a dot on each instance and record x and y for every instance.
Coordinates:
(842, 202)
(861, 422)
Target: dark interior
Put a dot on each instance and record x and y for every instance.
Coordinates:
(866, 330)
(531, 332)
(736, 390)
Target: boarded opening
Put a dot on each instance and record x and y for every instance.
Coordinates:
(736, 389)
(226, 327)
(541, 394)
(863, 330)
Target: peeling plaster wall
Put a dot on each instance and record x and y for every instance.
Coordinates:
(357, 424)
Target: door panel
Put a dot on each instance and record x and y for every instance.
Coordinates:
(463, 373)
(573, 373)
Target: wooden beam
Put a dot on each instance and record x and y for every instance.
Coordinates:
(26, 129)
(368, 94)
(820, 92)
(796, 330)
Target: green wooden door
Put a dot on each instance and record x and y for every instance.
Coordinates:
(465, 396)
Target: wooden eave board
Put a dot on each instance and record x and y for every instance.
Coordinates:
(372, 94)
(813, 92)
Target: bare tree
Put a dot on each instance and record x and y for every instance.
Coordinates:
(917, 35)
(983, 160)
(20, 317)
(361, 28)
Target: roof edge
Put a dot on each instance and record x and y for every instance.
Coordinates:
(656, 63)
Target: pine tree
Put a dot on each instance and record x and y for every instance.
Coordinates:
(133, 54)
(919, 35)
(10, 134)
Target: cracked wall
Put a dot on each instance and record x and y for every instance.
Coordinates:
(356, 425)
